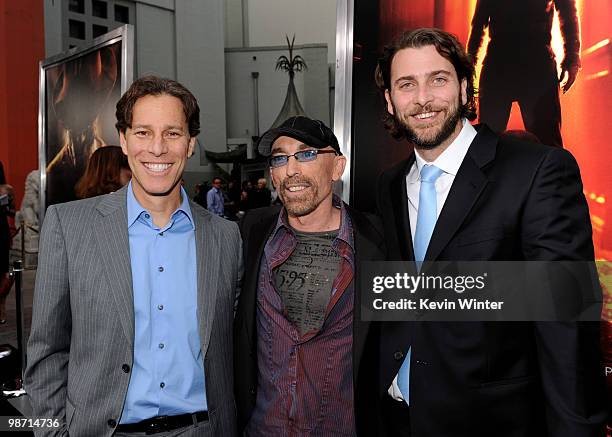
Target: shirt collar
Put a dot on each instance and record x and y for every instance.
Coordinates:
(345, 233)
(450, 160)
(134, 209)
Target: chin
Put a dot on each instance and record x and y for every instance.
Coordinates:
(299, 209)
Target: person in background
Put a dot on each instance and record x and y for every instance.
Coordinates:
(6, 209)
(107, 171)
(200, 195)
(261, 195)
(245, 196)
(214, 198)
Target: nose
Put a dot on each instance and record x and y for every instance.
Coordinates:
(293, 166)
(424, 95)
(157, 146)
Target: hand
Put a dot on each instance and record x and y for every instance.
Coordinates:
(7, 189)
(568, 74)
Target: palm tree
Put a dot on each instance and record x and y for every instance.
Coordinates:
(290, 65)
(293, 63)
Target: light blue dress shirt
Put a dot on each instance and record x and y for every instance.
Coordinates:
(168, 371)
(215, 201)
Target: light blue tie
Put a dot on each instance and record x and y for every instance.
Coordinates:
(426, 221)
(427, 215)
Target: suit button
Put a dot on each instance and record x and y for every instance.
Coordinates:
(112, 423)
(125, 368)
(252, 391)
(398, 355)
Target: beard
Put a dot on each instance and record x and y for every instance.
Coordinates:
(302, 203)
(430, 140)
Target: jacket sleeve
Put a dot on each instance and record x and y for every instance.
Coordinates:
(557, 227)
(46, 375)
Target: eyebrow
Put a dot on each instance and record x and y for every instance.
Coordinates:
(430, 74)
(301, 147)
(147, 126)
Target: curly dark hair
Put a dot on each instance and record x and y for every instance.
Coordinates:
(448, 46)
(155, 86)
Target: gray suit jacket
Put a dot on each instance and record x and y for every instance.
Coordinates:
(80, 351)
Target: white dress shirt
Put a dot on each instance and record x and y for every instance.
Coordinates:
(449, 162)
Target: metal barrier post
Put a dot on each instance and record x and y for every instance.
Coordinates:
(18, 272)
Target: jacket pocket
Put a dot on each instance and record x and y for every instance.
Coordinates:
(481, 235)
(509, 381)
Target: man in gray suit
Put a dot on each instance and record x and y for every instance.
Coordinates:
(133, 305)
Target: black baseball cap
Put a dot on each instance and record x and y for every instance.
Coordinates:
(311, 132)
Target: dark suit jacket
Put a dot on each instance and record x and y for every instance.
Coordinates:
(510, 200)
(256, 228)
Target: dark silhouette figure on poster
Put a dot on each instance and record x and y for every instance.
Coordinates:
(520, 64)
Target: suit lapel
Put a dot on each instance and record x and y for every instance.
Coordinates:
(258, 236)
(367, 248)
(467, 187)
(112, 237)
(399, 200)
(208, 248)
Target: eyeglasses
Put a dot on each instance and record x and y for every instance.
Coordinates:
(301, 156)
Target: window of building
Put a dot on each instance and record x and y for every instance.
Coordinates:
(99, 9)
(98, 30)
(76, 29)
(122, 14)
(77, 6)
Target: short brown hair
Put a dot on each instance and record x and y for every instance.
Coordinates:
(155, 86)
(102, 173)
(448, 46)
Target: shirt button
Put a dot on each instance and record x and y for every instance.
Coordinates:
(112, 423)
(162, 385)
(125, 368)
(398, 355)
(161, 345)
(160, 269)
(161, 234)
(160, 307)
(147, 216)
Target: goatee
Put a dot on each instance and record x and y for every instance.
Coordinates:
(447, 129)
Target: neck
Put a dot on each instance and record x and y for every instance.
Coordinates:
(324, 218)
(431, 155)
(160, 207)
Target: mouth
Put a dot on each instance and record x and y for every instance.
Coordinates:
(157, 167)
(425, 115)
(296, 188)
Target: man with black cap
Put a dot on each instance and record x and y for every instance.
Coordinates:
(299, 339)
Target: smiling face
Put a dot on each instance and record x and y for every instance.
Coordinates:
(157, 146)
(426, 96)
(305, 187)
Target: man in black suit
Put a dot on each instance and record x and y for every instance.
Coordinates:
(491, 198)
(299, 339)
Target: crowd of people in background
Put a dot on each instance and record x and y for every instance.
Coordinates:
(231, 200)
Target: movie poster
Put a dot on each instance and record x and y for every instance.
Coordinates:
(81, 95)
(79, 92)
(522, 48)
